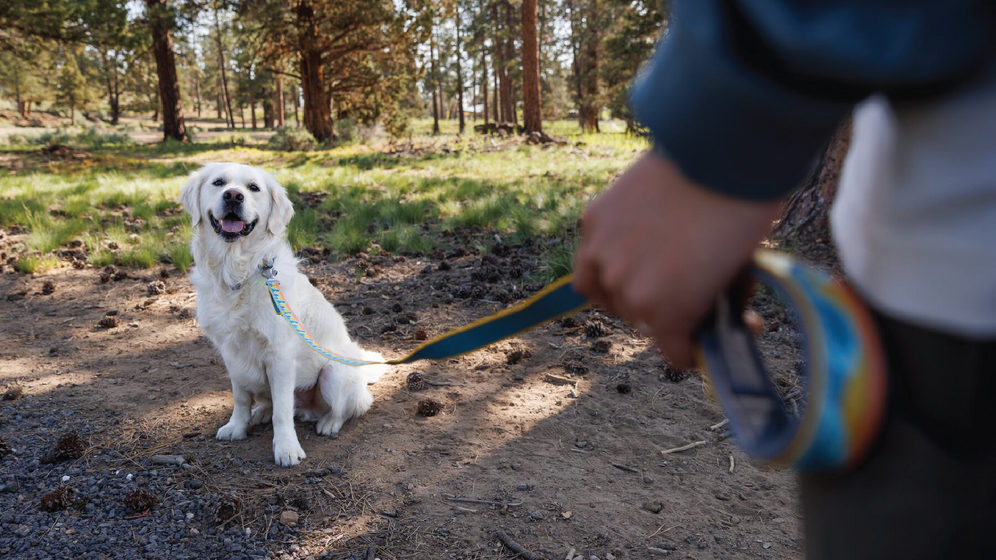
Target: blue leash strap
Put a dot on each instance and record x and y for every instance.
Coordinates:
(556, 300)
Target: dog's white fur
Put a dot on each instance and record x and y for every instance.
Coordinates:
(274, 375)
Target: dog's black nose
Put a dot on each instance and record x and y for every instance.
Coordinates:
(233, 195)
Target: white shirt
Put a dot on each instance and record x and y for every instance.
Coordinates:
(915, 215)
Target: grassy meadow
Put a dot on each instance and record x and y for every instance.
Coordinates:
(118, 197)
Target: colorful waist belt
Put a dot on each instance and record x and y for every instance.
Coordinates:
(844, 376)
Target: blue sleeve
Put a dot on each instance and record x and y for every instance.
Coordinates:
(743, 94)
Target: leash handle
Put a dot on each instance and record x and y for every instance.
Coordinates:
(843, 377)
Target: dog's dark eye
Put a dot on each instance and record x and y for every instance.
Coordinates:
(253, 187)
(218, 182)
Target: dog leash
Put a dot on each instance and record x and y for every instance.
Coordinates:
(843, 377)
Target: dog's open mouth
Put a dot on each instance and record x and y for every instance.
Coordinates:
(231, 226)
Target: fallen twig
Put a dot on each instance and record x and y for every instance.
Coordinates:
(625, 468)
(719, 425)
(692, 445)
(560, 380)
(486, 502)
(437, 383)
(731, 463)
(661, 530)
(516, 547)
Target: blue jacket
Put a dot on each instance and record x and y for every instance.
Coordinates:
(744, 94)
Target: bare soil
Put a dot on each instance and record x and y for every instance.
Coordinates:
(557, 465)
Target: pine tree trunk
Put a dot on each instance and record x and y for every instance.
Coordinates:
(297, 104)
(169, 86)
(437, 101)
(278, 98)
(509, 96)
(217, 104)
(484, 84)
(531, 115)
(267, 112)
(221, 66)
(197, 91)
(494, 98)
(459, 72)
(252, 108)
(805, 223)
(317, 117)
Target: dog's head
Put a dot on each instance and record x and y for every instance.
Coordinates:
(235, 200)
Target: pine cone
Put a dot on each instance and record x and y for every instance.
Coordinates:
(57, 500)
(140, 500)
(415, 381)
(69, 447)
(429, 407)
(3, 448)
(228, 507)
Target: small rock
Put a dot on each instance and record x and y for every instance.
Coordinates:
(289, 518)
(537, 515)
(653, 507)
(766, 545)
(516, 356)
(167, 460)
(389, 513)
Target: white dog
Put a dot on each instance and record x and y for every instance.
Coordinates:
(240, 215)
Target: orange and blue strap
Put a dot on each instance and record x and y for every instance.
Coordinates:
(556, 300)
(844, 375)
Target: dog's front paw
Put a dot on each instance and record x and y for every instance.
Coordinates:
(232, 431)
(288, 453)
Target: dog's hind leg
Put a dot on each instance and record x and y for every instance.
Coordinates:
(262, 409)
(345, 392)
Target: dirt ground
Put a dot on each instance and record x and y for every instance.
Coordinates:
(557, 466)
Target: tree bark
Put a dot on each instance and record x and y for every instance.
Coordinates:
(252, 108)
(484, 84)
(221, 66)
(278, 98)
(437, 101)
(509, 56)
(113, 89)
(197, 91)
(297, 104)
(804, 223)
(169, 86)
(267, 112)
(531, 115)
(317, 100)
(459, 71)
(494, 99)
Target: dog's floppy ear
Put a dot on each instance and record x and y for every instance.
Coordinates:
(281, 209)
(190, 194)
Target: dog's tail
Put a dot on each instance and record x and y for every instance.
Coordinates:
(375, 372)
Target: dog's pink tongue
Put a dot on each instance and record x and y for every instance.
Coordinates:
(232, 226)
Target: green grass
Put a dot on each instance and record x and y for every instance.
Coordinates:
(353, 198)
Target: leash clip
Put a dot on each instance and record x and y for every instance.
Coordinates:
(265, 268)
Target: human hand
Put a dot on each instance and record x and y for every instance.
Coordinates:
(657, 249)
